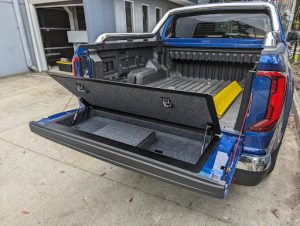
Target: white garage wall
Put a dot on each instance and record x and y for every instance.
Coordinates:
(99, 17)
(27, 31)
(138, 15)
(12, 57)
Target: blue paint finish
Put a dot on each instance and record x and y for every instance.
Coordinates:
(83, 54)
(264, 142)
(165, 28)
(214, 42)
(260, 97)
(257, 143)
(271, 63)
(78, 53)
(260, 143)
(54, 117)
(226, 146)
(230, 174)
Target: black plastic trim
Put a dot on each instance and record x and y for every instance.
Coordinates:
(247, 178)
(120, 45)
(245, 100)
(120, 155)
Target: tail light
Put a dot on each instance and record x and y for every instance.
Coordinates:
(276, 101)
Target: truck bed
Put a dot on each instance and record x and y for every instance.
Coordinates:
(205, 86)
(195, 85)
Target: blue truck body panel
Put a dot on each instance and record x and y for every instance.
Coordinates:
(214, 43)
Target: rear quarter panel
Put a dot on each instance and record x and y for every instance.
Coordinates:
(263, 143)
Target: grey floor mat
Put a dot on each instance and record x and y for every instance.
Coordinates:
(124, 133)
(176, 147)
(92, 124)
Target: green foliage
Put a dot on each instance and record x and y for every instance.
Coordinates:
(296, 22)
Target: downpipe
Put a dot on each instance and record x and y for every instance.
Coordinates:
(24, 40)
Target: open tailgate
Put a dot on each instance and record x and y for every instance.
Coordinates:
(169, 119)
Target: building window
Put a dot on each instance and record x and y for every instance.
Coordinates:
(129, 16)
(145, 9)
(158, 14)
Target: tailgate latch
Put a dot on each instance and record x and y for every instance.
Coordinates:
(208, 136)
(167, 102)
(81, 88)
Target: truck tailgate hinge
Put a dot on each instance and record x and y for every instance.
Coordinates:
(207, 138)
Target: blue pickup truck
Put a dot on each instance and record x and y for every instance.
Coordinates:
(200, 102)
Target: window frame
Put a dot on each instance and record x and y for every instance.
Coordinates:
(174, 19)
(160, 16)
(148, 17)
(132, 15)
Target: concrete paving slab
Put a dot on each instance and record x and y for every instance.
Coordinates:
(38, 191)
(296, 110)
(59, 186)
(20, 105)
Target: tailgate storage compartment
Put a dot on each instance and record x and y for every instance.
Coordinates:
(169, 134)
(195, 110)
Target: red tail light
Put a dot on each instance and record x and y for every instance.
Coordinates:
(276, 101)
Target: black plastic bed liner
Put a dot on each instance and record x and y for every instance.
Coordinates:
(194, 85)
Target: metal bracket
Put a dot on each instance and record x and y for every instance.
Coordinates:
(206, 135)
(77, 112)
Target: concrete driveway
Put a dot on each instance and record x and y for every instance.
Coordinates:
(43, 183)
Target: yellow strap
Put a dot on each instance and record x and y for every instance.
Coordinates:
(64, 62)
(225, 97)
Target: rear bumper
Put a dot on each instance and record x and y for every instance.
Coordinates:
(252, 169)
(123, 158)
(254, 163)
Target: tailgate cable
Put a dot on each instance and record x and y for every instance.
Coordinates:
(68, 102)
(240, 135)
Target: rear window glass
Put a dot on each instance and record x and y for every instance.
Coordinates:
(221, 25)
